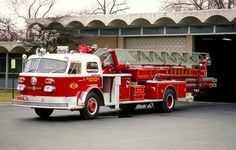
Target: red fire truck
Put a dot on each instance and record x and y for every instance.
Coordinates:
(116, 78)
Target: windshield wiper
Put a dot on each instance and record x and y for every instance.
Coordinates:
(31, 70)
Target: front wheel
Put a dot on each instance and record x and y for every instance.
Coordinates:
(91, 109)
(43, 112)
(168, 103)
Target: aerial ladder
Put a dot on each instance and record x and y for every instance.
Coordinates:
(155, 65)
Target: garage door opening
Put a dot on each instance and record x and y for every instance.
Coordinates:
(221, 49)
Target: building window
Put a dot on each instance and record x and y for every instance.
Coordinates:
(176, 30)
(130, 31)
(109, 31)
(18, 69)
(153, 30)
(225, 28)
(2, 65)
(201, 29)
(89, 31)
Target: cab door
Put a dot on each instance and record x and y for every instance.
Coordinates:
(76, 81)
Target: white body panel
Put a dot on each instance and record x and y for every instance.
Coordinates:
(48, 102)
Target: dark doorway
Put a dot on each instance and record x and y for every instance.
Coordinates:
(221, 49)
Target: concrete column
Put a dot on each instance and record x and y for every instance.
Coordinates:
(214, 29)
(190, 43)
(120, 42)
(7, 71)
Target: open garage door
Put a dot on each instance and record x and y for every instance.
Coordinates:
(222, 50)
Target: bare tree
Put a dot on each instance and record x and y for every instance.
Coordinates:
(224, 4)
(8, 31)
(110, 6)
(73, 13)
(179, 5)
(36, 35)
(34, 8)
(51, 36)
(47, 37)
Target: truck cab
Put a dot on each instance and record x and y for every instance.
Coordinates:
(58, 81)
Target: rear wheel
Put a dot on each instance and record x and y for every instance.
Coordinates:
(168, 103)
(43, 112)
(91, 108)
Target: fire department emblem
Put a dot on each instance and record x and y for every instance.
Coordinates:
(73, 85)
(33, 80)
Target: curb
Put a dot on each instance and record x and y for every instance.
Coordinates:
(5, 103)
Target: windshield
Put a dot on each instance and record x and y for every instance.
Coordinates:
(45, 65)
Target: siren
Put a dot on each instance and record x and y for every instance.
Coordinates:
(41, 51)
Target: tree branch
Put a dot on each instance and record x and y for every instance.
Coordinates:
(39, 7)
(200, 4)
(53, 2)
(29, 9)
(110, 8)
(114, 12)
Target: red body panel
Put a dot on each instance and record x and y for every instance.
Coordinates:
(125, 89)
(156, 90)
(65, 86)
(137, 92)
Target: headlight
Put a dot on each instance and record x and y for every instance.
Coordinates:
(21, 79)
(49, 88)
(49, 81)
(21, 87)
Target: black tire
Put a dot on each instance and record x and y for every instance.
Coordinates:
(156, 106)
(43, 112)
(91, 109)
(168, 103)
(128, 107)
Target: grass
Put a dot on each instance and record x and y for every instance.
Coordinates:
(6, 96)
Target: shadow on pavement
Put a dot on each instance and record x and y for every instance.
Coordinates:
(180, 107)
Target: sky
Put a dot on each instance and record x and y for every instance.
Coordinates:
(64, 6)
(137, 6)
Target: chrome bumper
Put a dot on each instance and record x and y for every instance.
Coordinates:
(36, 104)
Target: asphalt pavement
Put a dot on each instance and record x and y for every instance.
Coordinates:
(194, 126)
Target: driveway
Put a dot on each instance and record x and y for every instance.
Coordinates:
(193, 126)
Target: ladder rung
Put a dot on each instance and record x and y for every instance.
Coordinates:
(152, 57)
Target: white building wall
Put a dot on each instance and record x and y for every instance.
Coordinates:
(158, 43)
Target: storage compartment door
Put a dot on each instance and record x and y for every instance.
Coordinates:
(125, 89)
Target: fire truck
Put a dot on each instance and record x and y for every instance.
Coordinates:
(117, 78)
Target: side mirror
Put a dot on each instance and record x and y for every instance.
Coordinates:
(24, 59)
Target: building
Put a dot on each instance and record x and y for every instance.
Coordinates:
(212, 31)
(11, 51)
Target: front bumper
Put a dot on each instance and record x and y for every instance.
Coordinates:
(36, 104)
(66, 103)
